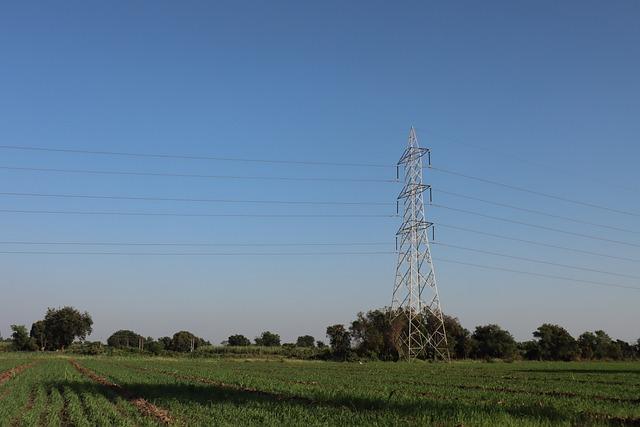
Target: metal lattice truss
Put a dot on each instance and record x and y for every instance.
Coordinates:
(416, 314)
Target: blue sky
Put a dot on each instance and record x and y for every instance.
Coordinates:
(540, 95)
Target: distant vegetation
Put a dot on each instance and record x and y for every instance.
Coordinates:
(369, 337)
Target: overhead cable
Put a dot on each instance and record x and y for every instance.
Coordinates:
(190, 157)
(122, 213)
(187, 244)
(535, 242)
(535, 211)
(541, 227)
(197, 253)
(189, 175)
(536, 192)
(530, 273)
(186, 199)
(537, 261)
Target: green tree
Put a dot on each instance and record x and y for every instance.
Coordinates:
(62, 326)
(182, 341)
(627, 351)
(320, 344)
(305, 341)
(39, 334)
(166, 342)
(372, 335)
(587, 343)
(598, 345)
(491, 341)
(555, 343)
(154, 347)
(268, 339)
(529, 350)
(340, 340)
(21, 340)
(238, 340)
(604, 346)
(124, 339)
(458, 338)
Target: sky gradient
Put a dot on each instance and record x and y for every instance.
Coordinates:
(543, 95)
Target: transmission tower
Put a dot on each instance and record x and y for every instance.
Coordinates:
(416, 315)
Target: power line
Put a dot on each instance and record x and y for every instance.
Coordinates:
(537, 243)
(67, 212)
(537, 261)
(189, 157)
(199, 200)
(541, 227)
(529, 273)
(187, 175)
(537, 212)
(534, 163)
(198, 253)
(538, 193)
(193, 244)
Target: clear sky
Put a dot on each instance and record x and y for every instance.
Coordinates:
(544, 95)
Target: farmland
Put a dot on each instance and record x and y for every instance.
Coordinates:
(84, 391)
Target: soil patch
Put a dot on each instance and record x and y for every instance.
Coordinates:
(7, 375)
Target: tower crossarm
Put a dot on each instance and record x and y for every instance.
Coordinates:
(412, 154)
(413, 226)
(411, 189)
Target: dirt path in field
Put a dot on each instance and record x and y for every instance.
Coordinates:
(145, 407)
(64, 411)
(17, 420)
(45, 413)
(7, 375)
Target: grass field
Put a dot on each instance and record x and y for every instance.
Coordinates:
(83, 391)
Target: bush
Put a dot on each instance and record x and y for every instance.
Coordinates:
(93, 348)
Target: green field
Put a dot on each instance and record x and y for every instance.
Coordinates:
(84, 391)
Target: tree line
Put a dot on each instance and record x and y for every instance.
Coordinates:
(372, 335)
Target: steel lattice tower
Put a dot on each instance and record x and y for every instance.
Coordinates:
(416, 314)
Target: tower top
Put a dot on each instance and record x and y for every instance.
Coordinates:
(413, 138)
